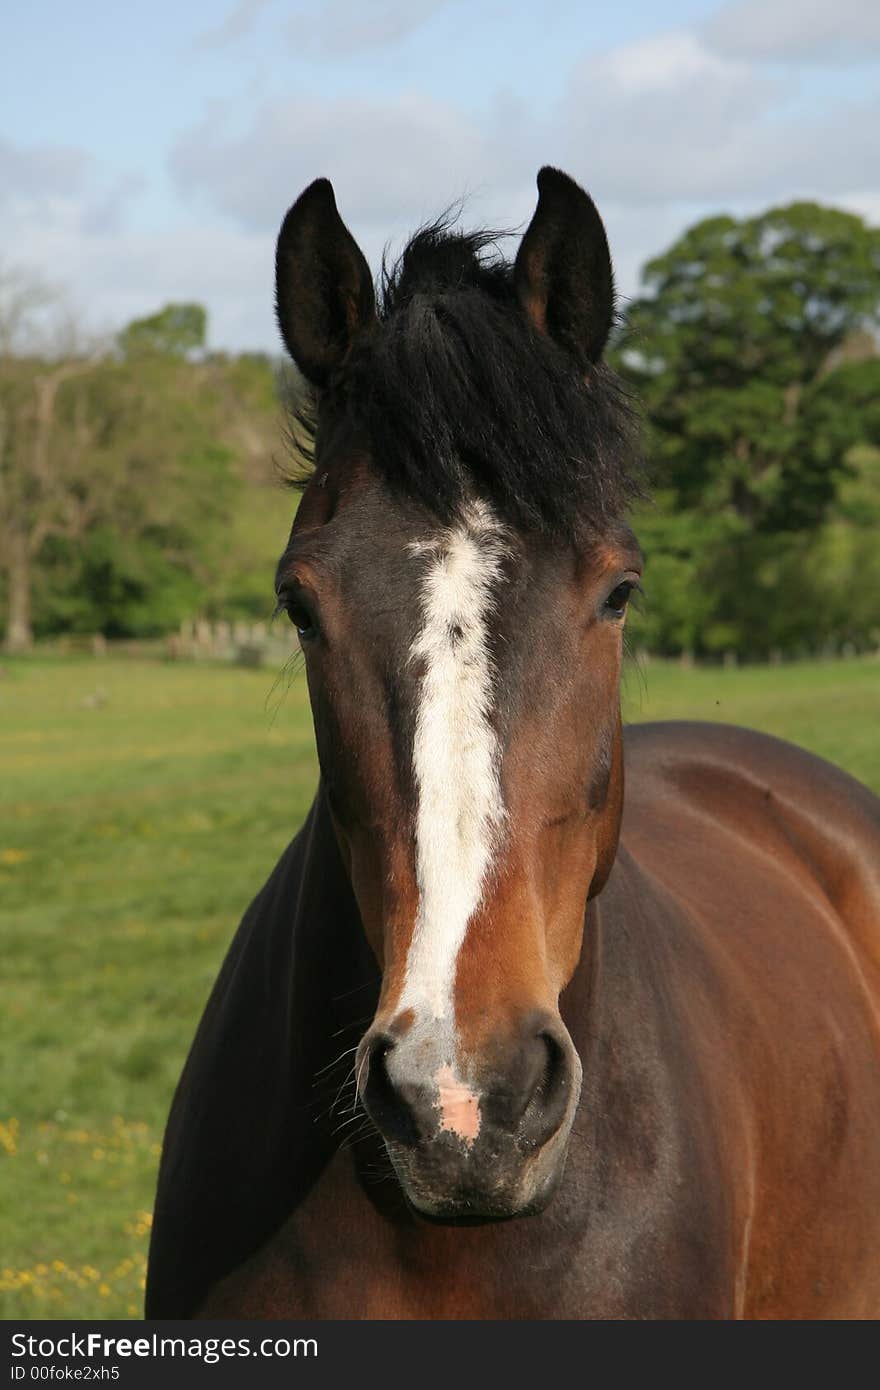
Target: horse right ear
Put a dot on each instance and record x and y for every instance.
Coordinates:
(563, 273)
(323, 288)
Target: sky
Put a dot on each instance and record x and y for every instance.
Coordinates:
(149, 153)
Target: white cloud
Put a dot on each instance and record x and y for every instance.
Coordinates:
(665, 120)
(36, 181)
(237, 25)
(336, 28)
(662, 132)
(660, 65)
(393, 163)
(40, 171)
(107, 211)
(63, 223)
(114, 278)
(795, 31)
(669, 121)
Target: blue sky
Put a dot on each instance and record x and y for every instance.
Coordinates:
(149, 154)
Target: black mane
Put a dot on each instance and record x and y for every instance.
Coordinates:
(458, 394)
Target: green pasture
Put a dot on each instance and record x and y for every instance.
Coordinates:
(142, 804)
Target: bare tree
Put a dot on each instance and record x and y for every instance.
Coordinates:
(44, 487)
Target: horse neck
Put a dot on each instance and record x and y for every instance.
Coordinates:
(350, 985)
(629, 1005)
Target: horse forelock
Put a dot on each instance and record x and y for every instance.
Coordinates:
(458, 396)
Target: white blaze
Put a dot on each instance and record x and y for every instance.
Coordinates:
(455, 755)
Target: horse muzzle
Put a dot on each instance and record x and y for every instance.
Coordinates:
(477, 1140)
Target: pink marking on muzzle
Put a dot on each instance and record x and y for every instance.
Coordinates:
(459, 1107)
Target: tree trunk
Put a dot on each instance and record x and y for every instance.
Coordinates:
(19, 633)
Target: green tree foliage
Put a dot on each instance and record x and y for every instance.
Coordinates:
(137, 483)
(754, 353)
(731, 343)
(162, 484)
(189, 449)
(178, 330)
(124, 477)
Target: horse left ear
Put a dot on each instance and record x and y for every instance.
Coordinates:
(323, 287)
(563, 269)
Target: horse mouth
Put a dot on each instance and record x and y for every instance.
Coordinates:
(477, 1211)
(488, 1190)
(454, 1217)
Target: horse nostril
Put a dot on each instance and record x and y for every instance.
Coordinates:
(550, 1097)
(386, 1106)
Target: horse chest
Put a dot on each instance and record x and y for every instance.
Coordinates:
(339, 1256)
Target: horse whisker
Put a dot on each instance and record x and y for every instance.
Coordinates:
(330, 1065)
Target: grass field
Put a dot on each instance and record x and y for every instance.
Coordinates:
(141, 807)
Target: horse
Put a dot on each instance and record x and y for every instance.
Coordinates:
(495, 1040)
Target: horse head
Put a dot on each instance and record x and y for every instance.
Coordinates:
(458, 572)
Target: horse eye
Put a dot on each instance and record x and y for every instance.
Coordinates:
(299, 615)
(303, 623)
(616, 602)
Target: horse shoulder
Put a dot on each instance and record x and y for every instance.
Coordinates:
(817, 821)
(753, 868)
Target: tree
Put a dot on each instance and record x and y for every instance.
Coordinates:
(116, 472)
(164, 487)
(754, 351)
(178, 330)
(741, 322)
(44, 489)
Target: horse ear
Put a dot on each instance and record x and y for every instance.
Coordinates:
(323, 288)
(563, 269)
